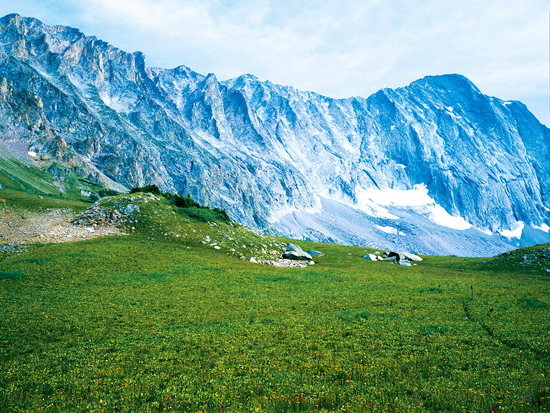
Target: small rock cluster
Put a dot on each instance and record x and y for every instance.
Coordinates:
(51, 226)
(98, 216)
(12, 248)
(117, 214)
(282, 262)
(294, 257)
(535, 257)
(402, 258)
(527, 257)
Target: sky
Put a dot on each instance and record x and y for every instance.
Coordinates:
(339, 48)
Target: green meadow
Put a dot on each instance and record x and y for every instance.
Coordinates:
(159, 320)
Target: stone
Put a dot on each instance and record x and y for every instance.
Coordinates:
(372, 257)
(131, 208)
(297, 256)
(398, 256)
(293, 247)
(254, 260)
(411, 257)
(405, 263)
(314, 253)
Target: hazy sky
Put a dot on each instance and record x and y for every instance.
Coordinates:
(336, 48)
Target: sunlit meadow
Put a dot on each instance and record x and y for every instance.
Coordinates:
(159, 322)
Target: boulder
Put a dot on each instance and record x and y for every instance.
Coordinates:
(405, 263)
(372, 257)
(314, 253)
(293, 247)
(398, 256)
(411, 257)
(297, 256)
(402, 255)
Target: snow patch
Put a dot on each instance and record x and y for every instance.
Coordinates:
(513, 233)
(441, 217)
(118, 104)
(32, 153)
(371, 208)
(417, 199)
(449, 110)
(395, 197)
(389, 230)
(543, 227)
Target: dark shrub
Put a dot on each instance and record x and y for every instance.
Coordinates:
(153, 189)
(107, 192)
(184, 202)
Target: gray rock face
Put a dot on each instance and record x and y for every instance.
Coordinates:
(276, 158)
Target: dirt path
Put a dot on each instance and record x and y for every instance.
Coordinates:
(51, 226)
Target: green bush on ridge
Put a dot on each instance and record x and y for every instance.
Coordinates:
(147, 188)
(188, 206)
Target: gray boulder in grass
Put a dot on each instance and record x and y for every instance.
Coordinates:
(411, 257)
(293, 247)
(297, 255)
(314, 253)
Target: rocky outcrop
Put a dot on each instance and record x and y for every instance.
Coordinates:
(98, 216)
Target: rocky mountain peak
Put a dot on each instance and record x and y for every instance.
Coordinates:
(435, 166)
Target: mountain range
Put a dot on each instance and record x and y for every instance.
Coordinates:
(434, 167)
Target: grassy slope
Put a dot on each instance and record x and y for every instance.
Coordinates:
(27, 187)
(152, 321)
